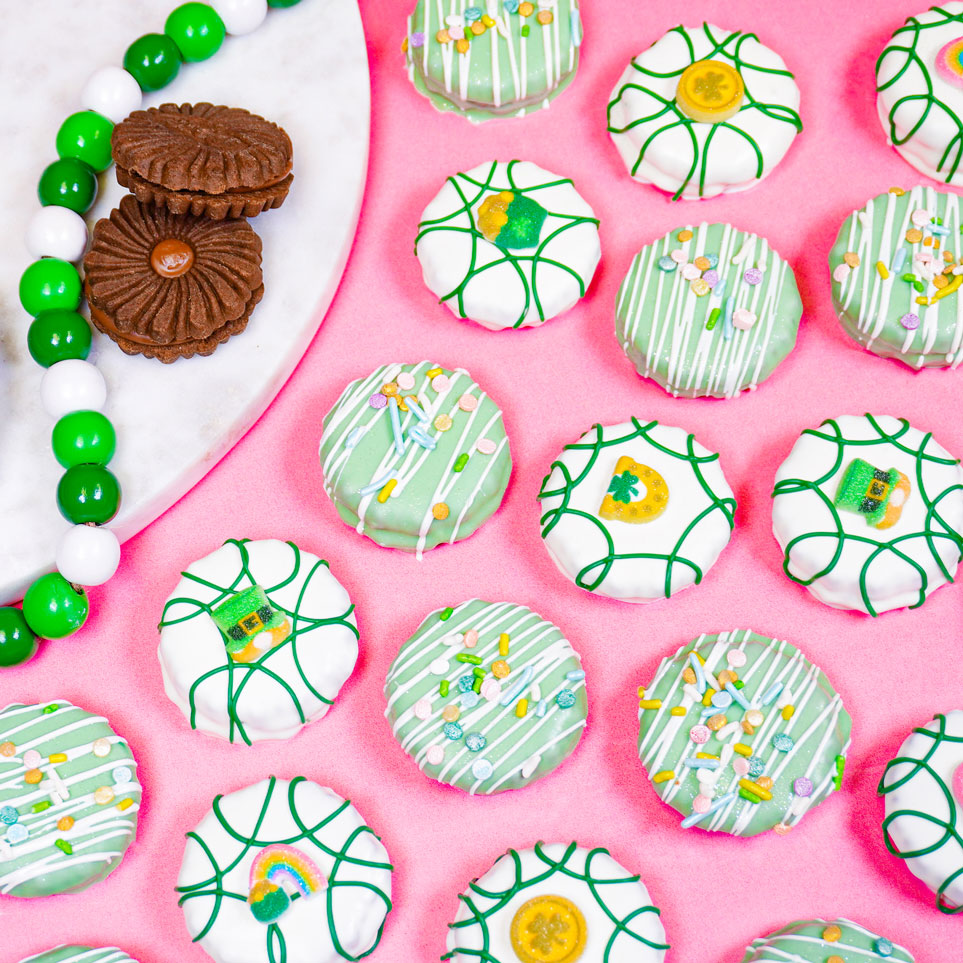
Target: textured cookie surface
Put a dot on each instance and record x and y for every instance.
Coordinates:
(69, 799)
(818, 941)
(708, 310)
(487, 696)
(742, 734)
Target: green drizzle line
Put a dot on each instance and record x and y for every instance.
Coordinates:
(513, 258)
(676, 118)
(792, 486)
(950, 832)
(503, 897)
(552, 517)
(929, 101)
(239, 674)
(214, 885)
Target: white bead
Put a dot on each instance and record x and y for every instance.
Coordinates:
(241, 16)
(113, 92)
(88, 555)
(57, 232)
(72, 385)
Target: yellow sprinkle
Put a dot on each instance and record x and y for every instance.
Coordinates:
(65, 824)
(832, 934)
(702, 263)
(688, 675)
(699, 287)
(461, 45)
(650, 703)
(755, 789)
(707, 698)
(526, 9)
(898, 191)
(32, 776)
(433, 372)
(922, 300)
(914, 235)
(699, 657)
(684, 235)
(788, 711)
(928, 241)
(125, 804)
(764, 782)
(443, 36)
(748, 728)
(521, 708)
(851, 258)
(443, 422)
(706, 755)
(641, 693)
(103, 795)
(500, 669)
(503, 640)
(742, 749)
(835, 959)
(440, 510)
(726, 675)
(59, 757)
(664, 776)
(947, 255)
(754, 717)
(881, 268)
(545, 17)
(391, 388)
(478, 28)
(387, 490)
(404, 45)
(677, 711)
(717, 721)
(949, 289)
(488, 21)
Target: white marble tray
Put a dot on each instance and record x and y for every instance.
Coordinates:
(305, 68)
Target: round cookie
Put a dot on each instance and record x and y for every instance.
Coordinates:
(286, 864)
(415, 455)
(508, 245)
(256, 640)
(69, 799)
(923, 825)
(492, 58)
(704, 111)
(487, 696)
(742, 734)
(553, 904)
(708, 311)
(637, 511)
(919, 83)
(869, 513)
(81, 954)
(897, 268)
(822, 941)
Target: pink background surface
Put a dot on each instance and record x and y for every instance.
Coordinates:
(716, 893)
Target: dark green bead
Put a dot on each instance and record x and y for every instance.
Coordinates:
(88, 493)
(53, 608)
(58, 335)
(197, 30)
(153, 61)
(86, 136)
(49, 284)
(17, 641)
(68, 182)
(83, 438)
(282, 3)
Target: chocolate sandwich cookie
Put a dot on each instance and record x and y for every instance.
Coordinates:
(203, 160)
(171, 286)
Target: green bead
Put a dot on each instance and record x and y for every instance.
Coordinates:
(68, 182)
(53, 608)
(153, 61)
(282, 3)
(88, 493)
(17, 641)
(83, 438)
(50, 284)
(57, 335)
(86, 136)
(197, 30)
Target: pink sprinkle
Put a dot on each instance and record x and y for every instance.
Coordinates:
(456, 32)
(841, 272)
(958, 783)
(468, 402)
(491, 690)
(678, 256)
(752, 276)
(423, 708)
(486, 446)
(711, 277)
(699, 734)
(405, 381)
(920, 217)
(781, 829)
(378, 400)
(740, 766)
(690, 272)
(736, 657)
(31, 758)
(470, 639)
(440, 383)
(435, 756)
(743, 319)
(910, 321)
(701, 804)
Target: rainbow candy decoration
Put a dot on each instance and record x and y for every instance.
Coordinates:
(275, 866)
(949, 62)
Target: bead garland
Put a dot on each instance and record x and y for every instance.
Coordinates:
(72, 390)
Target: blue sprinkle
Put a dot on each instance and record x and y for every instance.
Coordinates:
(713, 260)
(756, 766)
(738, 696)
(576, 29)
(699, 674)
(666, 263)
(575, 676)
(396, 425)
(472, 14)
(17, 833)
(939, 229)
(727, 317)
(884, 946)
(122, 774)
(722, 700)
(708, 711)
(469, 699)
(452, 731)
(565, 699)
(511, 6)
(466, 682)
(419, 437)
(694, 763)
(782, 742)
(772, 693)
(541, 708)
(374, 486)
(416, 409)
(9, 815)
(354, 436)
(482, 769)
(719, 291)
(718, 804)
(898, 261)
(475, 741)
(515, 691)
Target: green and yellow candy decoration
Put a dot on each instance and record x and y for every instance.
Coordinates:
(511, 221)
(877, 494)
(623, 502)
(250, 625)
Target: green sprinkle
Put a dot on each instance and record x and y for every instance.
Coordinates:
(443, 688)
(41, 806)
(838, 778)
(478, 672)
(446, 614)
(920, 286)
(477, 684)
(51, 708)
(909, 277)
(465, 657)
(64, 846)
(713, 317)
(739, 684)
(460, 461)
(752, 797)
(937, 220)
(526, 30)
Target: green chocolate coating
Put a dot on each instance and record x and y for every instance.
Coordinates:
(81, 954)
(803, 942)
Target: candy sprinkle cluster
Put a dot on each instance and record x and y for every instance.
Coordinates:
(474, 22)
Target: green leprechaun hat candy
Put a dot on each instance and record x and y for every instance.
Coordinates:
(245, 616)
(511, 221)
(875, 493)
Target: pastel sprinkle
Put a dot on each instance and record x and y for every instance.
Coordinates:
(467, 402)
(782, 742)
(752, 276)
(881, 270)
(438, 667)
(737, 696)
(440, 383)
(32, 758)
(435, 756)
(416, 409)
(385, 492)
(354, 436)
(772, 693)
(832, 934)
(465, 682)
(452, 731)
(103, 795)
(576, 675)
(491, 690)
(899, 260)
(475, 742)
(9, 815)
(541, 708)
(482, 769)
(694, 762)
(486, 446)
(666, 263)
(122, 775)
(699, 734)
(802, 787)
(405, 379)
(420, 437)
(664, 776)
(565, 699)
(374, 486)
(920, 217)
(518, 687)
(740, 766)
(727, 317)
(7, 749)
(65, 823)
(884, 946)
(470, 699)
(16, 833)
(910, 321)
(101, 747)
(521, 708)
(422, 708)
(756, 766)
(701, 804)
(378, 400)
(743, 319)
(699, 673)
(711, 277)
(690, 272)
(699, 816)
